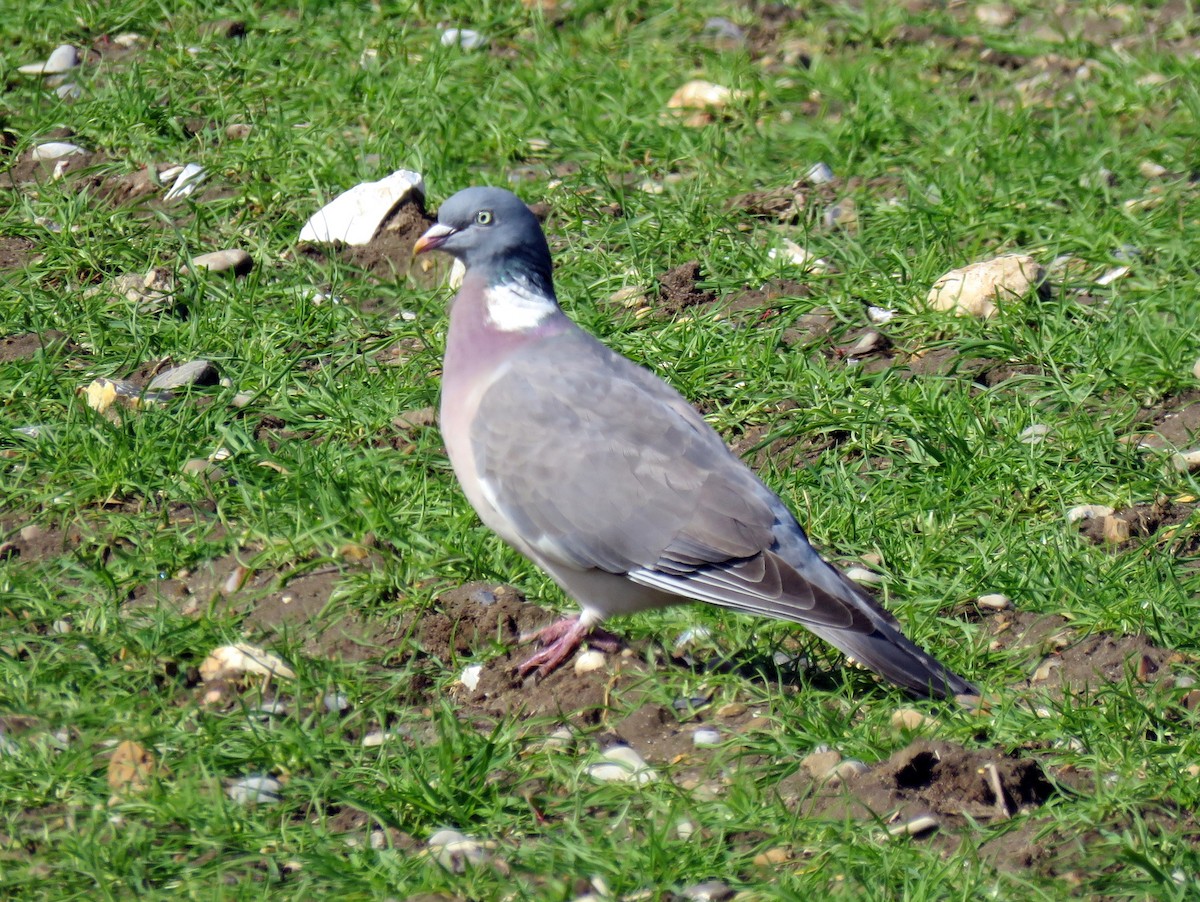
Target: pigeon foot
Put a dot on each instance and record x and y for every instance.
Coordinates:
(560, 640)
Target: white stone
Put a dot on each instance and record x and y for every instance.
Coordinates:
(914, 827)
(234, 660)
(255, 789)
(1088, 512)
(1186, 461)
(234, 259)
(880, 315)
(706, 737)
(978, 289)
(354, 216)
(188, 179)
(52, 150)
(589, 661)
(1034, 435)
(819, 174)
(864, 576)
(455, 850)
(702, 95)
(994, 601)
(63, 59)
(621, 764)
(470, 676)
(68, 91)
(465, 38)
(797, 256)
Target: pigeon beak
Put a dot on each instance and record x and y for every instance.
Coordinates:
(434, 238)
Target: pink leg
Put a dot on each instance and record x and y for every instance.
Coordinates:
(559, 641)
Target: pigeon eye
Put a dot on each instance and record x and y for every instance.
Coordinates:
(484, 217)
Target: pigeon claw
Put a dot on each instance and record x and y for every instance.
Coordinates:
(559, 641)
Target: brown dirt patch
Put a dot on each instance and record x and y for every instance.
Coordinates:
(1144, 520)
(944, 779)
(1064, 660)
(28, 345)
(758, 304)
(16, 253)
(679, 288)
(1175, 423)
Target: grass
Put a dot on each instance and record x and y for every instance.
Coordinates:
(949, 156)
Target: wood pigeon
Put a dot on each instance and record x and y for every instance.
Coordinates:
(607, 478)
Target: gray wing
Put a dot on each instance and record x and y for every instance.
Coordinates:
(597, 463)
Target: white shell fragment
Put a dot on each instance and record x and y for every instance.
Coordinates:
(69, 91)
(256, 789)
(621, 764)
(470, 676)
(703, 95)
(978, 289)
(234, 660)
(63, 59)
(880, 315)
(53, 150)
(797, 256)
(354, 216)
(1088, 512)
(188, 179)
(465, 38)
(454, 850)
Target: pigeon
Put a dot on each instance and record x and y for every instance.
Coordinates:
(608, 479)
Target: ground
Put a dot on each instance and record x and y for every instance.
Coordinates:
(297, 502)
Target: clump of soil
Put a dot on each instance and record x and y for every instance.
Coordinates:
(678, 288)
(939, 778)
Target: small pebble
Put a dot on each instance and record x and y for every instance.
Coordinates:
(63, 59)
(378, 841)
(1117, 272)
(709, 891)
(69, 91)
(196, 372)
(819, 764)
(684, 829)
(844, 770)
(706, 737)
(914, 827)
(731, 710)
(777, 855)
(242, 658)
(127, 39)
(589, 661)
(273, 708)
(1088, 512)
(912, 719)
(465, 38)
(1045, 669)
(559, 739)
(819, 174)
(880, 315)
(377, 738)
(1148, 169)
(720, 27)
(455, 851)
(1196, 369)
(995, 15)
(1117, 530)
(863, 576)
(621, 764)
(235, 260)
(336, 702)
(53, 150)
(238, 131)
(256, 789)
(797, 256)
(994, 602)
(1186, 461)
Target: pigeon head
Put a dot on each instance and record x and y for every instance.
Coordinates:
(491, 231)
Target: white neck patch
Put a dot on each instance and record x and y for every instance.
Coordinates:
(516, 307)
